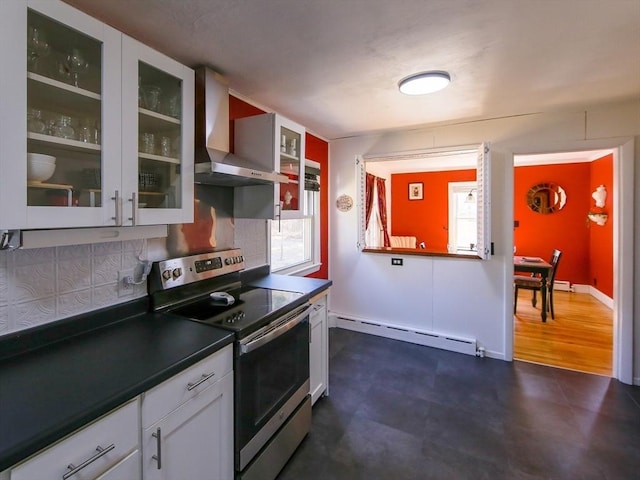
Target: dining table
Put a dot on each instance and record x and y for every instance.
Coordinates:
(536, 266)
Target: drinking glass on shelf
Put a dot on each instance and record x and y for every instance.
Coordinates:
(76, 64)
(147, 143)
(151, 97)
(37, 48)
(165, 146)
(172, 105)
(87, 130)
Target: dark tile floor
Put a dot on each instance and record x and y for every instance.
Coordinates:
(401, 411)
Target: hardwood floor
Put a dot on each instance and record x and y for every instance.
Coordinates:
(580, 338)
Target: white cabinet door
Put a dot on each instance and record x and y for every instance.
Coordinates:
(93, 451)
(62, 69)
(276, 144)
(318, 350)
(63, 162)
(195, 440)
(157, 135)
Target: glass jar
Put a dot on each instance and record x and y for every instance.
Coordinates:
(35, 123)
(63, 128)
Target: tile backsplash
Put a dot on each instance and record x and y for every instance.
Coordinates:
(42, 285)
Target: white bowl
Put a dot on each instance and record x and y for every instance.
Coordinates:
(41, 157)
(39, 171)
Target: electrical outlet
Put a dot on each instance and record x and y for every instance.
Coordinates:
(125, 288)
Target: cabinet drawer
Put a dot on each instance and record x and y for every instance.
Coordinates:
(169, 395)
(119, 428)
(319, 300)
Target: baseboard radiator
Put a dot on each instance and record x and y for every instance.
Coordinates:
(562, 285)
(429, 339)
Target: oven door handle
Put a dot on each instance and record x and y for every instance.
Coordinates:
(256, 342)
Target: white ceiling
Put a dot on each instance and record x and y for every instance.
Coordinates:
(333, 65)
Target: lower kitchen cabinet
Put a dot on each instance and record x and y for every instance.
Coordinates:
(194, 438)
(319, 348)
(127, 469)
(107, 449)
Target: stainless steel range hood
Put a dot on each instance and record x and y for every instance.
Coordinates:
(214, 164)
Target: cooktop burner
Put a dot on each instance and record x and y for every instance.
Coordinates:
(253, 308)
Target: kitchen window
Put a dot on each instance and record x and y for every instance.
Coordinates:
(463, 197)
(295, 243)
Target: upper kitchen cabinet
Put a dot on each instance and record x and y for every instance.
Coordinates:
(66, 159)
(157, 136)
(276, 144)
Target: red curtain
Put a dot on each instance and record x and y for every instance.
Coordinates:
(382, 206)
(369, 197)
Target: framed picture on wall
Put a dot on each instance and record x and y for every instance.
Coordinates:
(415, 191)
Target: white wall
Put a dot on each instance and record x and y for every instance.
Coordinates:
(466, 297)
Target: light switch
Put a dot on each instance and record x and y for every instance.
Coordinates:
(396, 261)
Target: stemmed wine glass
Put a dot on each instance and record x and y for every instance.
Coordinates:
(37, 47)
(76, 64)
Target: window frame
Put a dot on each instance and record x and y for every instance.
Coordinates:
(311, 212)
(453, 189)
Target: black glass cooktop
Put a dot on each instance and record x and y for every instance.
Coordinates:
(252, 308)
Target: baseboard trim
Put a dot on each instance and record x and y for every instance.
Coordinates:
(601, 297)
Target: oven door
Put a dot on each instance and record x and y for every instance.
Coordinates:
(272, 379)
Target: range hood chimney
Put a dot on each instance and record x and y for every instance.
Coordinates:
(214, 164)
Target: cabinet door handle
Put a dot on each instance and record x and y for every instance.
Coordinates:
(73, 469)
(279, 214)
(118, 217)
(158, 436)
(205, 377)
(134, 209)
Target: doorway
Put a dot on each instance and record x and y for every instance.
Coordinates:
(581, 337)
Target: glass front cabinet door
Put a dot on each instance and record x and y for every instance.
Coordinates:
(291, 158)
(157, 136)
(64, 113)
(275, 144)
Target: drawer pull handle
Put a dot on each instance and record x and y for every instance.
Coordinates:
(158, 436)
(205, 377)
(101, 452)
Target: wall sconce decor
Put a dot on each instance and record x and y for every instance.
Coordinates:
(600, 196)
(598, 216)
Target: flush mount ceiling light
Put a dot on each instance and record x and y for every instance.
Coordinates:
(423, 83)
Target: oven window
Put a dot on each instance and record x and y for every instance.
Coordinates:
(267, 377)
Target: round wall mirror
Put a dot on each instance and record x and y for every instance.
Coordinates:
(546, 198)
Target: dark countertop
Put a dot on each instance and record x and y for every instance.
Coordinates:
(290, 283)
(55, 380)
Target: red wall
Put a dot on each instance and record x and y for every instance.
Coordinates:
(538, 235)
(601, 237)
(317, 150)
(426, 219)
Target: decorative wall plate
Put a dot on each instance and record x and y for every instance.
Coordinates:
(344, 203)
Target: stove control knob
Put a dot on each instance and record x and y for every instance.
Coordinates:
(239, 259)
(227, 261)
(166, 274)
(176, 272)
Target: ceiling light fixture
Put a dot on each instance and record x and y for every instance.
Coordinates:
(423, 83)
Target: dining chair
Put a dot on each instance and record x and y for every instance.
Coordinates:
(535, 283)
